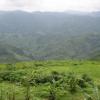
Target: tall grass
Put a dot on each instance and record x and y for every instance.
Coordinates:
(1, 93)
(27, 96)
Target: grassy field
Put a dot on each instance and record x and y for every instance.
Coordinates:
(42, 80)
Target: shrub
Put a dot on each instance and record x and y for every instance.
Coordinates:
(12, 76)
(52, 95)
(72, 82)
(86, 78)
(42, 78)
(81, 83)
(26, 84)
(52, 91)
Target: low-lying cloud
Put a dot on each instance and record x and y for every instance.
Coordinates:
(50, 5)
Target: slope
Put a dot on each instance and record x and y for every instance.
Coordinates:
(10, 53)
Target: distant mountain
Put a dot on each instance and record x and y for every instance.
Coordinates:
(38, 22)
(50, 35)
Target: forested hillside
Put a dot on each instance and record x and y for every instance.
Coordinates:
(10, 54)
(51, 35)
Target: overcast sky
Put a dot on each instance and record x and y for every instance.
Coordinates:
(50, 5)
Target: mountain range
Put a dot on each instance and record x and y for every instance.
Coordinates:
(49, 35)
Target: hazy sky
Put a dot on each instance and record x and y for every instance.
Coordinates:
(50, 5)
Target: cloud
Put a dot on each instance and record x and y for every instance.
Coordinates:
(50, 5)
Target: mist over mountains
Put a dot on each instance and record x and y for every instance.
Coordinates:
(49, 35)
(37, 22)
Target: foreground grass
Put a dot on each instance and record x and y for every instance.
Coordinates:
(41, 91)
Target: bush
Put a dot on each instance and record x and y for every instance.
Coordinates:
(12, 76)
(86, 78)
(72, 82)
(81, 83)
(52, 92)
(42, 78)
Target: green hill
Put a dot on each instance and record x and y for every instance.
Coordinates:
(56, 46)
(45, 35)
(10, 53)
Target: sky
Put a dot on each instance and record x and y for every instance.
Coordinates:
(50, 5)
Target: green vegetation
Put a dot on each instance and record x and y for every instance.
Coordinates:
(49, 36)
(50, 80)
(50, 47)
(10, 53)
(51, 39)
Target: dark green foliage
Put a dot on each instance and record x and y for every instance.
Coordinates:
(88, 97)
(38, 65)
(13, 93)
(52, 95)
(1, 94)
(82, 83)
(52, 90)
(27, 96)
(55, 75)
(26, 84)
(1, 79)
(72, 82)
(39, 78)
(12, 76)
(86, 78)
(13, 97)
